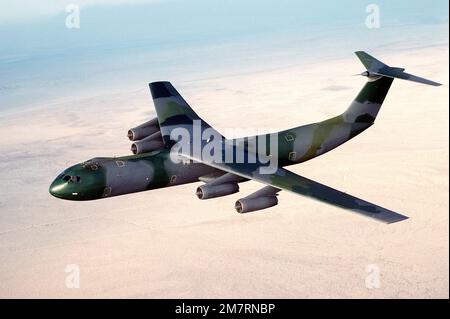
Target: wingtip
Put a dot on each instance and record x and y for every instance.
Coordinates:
(398, 219)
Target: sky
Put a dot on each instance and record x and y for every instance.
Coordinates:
(23, 10)
(125, 44)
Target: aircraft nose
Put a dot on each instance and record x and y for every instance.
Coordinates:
(79, 183)
(57, 188)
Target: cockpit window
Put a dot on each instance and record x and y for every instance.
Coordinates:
(91, 164)
(71, 179)
(75, 179)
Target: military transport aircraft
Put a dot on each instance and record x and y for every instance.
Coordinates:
(160, 160)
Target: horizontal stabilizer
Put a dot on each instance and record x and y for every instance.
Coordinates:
(377, 68)
(406, 76)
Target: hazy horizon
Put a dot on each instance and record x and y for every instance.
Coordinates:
(124, 45)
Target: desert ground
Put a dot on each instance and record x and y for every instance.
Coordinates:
(168, 244)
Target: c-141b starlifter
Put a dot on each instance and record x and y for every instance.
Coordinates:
(153, 166)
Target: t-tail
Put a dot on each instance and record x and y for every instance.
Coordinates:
(365, 108)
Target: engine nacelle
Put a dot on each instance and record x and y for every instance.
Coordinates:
(370, 76)
(246, 205)
(211, 191)
(148, 144)
(143, 130)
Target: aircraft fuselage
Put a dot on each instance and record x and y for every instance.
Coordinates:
(104, 177)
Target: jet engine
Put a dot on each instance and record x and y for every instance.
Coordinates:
(143, 130)
(210, 191)
(246, 205)
(148, 144)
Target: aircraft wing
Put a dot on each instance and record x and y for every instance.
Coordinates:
(175, 114)
(286, 180)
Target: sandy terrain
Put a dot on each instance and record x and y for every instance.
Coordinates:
(167, 243)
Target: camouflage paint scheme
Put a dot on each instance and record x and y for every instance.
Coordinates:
(105, 177)
(111, 176)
